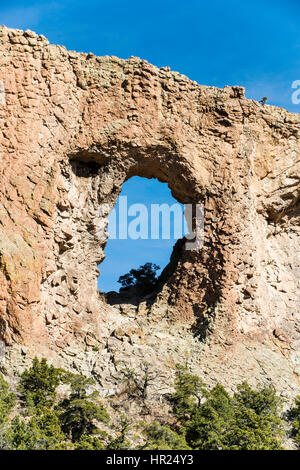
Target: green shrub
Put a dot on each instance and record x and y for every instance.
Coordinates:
(39, 433)
(160, 437)
(38, 384)
(250, 420)
(78, 412)
(7, 400)
(294, 416)
(143, 279)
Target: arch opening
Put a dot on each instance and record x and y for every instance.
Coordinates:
(143, 228)
(88, 190)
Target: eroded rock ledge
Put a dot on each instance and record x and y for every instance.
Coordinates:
(74, 128)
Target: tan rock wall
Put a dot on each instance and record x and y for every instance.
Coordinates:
(74, 127)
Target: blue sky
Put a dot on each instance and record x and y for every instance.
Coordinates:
(123, 255)
(252, 43)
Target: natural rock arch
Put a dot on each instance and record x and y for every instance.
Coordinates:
(75, 127)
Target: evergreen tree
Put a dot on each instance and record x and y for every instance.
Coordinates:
(190, 391)
(144, 278)
(160, 437)
(88, 442)
(258, 425)
(41, 432)
(38, 384)
(119, 441)
(78, 412)
(210, 422)
(215, 420)
(294, 416)
(7, 400)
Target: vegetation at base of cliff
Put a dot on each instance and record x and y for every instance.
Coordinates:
(54, 409)
(7, 401)
(212, 419)
(294, 416)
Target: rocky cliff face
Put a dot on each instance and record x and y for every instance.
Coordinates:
(74, 127)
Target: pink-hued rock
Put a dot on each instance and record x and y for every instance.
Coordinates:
(74, 127)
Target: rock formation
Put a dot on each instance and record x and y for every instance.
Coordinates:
(74, 127)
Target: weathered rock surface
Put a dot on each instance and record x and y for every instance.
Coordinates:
(74, 127)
